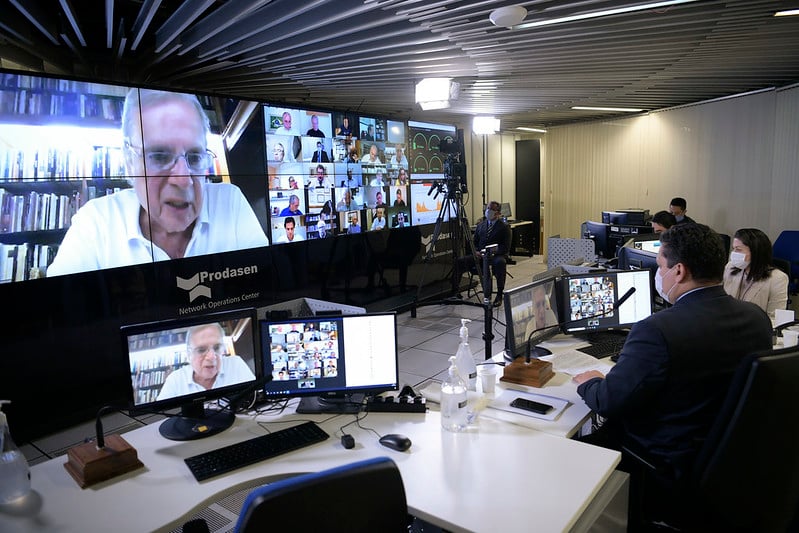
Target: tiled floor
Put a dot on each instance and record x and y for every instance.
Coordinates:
(425, 344)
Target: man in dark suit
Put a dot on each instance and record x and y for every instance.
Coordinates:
(664, 392)
(320, 155)
(677, 207)
(492, 230)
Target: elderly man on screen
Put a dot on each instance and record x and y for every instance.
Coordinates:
(210, 367)
(171, 211)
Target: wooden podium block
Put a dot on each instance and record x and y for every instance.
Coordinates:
(533, 374)
(89, 465)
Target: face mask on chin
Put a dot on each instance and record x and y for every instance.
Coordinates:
(679, 218)
(738, 260)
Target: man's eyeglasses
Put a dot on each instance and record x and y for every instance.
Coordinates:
(202, 351)
(197, 161)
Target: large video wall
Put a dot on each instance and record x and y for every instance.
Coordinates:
(121, 205)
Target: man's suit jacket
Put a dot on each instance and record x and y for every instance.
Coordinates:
(498, 234)
(324, 159)
(674, 371)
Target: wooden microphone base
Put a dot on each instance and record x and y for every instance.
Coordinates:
(533, 374)
(89, 465)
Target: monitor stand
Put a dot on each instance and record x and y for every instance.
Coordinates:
(338, 404)
(196, 422)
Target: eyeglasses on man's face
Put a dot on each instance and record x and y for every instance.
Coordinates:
(202, 351)
(197, 161)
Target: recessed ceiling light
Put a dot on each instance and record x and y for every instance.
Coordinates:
(534, 130)
(787, 13)
(621, 109)
(597, 14)
(507, 16)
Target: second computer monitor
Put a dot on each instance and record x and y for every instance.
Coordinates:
(590, 302)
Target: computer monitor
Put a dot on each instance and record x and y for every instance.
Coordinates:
(637, 258)
(531, 316)
(173, 361)
(589, 301)
(599, 233)
(615, 217)
(331, 362)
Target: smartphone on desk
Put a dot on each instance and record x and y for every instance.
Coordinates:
(530, 405)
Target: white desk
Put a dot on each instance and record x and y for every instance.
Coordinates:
(498, 477)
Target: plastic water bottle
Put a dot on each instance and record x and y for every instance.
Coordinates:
(454, 415)
(15, 476)
(464, 358)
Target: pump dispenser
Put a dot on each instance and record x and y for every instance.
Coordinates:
(454, 416)
(464, 358)
(15, 476)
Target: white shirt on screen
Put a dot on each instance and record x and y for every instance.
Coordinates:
(105, 233)
(232, 370)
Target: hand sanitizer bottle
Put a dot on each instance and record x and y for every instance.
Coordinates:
(454, 416)
(15, 477)
(464, 358)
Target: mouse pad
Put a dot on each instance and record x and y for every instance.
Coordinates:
(502, 402)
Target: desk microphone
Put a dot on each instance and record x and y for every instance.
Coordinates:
(539, 351)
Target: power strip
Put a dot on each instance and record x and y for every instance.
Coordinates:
(401, 404)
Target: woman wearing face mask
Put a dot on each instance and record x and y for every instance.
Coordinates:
(750, 276)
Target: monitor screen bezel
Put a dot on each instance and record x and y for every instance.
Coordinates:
(272, 390)
(198, 398)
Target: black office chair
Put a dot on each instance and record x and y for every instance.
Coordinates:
(364, 496)
(746, 476)
(785, 266)
(786, 247)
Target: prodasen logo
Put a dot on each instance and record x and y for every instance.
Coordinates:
(195, 284)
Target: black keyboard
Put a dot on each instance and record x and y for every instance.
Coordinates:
(222, 460)
(604, 344)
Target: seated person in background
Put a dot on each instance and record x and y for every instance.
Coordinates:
(372, 156)
(210, 367)
(674, 370)
(377, 179)
(750, 276)
(344, 129)
(321, 181)
(402, 177)
(370, 133)
(398, 201)
(678, 207)
(379, 221)
(346, 203)
(320, 154)
(171, 211)
(314, 131)
(355, 227)
(662, 220)
(379, 199)
(289, 226)
(293, 207)
(400, 221)
(398, 160)
(491, 230)
(286, 127)
(543, 315)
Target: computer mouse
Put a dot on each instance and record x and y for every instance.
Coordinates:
(395, 441)
(348, 441)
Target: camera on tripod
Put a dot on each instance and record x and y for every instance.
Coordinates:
(454, 169)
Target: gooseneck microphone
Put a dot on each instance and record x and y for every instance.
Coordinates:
(616, 305)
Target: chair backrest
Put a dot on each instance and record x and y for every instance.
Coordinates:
(748, 470)
(786, 247)
(363, 496)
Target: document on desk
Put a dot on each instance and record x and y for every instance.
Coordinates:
(503, 403)
(574, 362)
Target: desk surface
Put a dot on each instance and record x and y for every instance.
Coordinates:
(451, 479)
